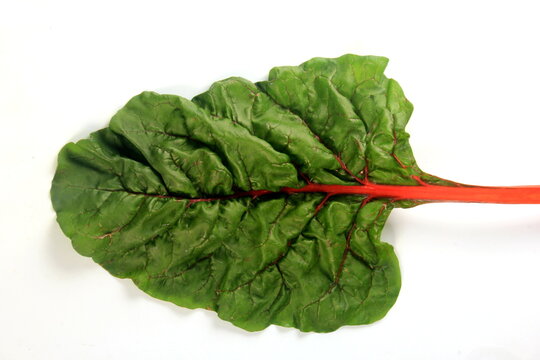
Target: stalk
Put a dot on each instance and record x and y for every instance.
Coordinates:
(427, 192)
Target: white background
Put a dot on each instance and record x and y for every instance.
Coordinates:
(471, 286)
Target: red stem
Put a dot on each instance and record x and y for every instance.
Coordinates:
(426, 192)
(423, 192)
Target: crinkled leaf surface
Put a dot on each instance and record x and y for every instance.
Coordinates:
(166, 195)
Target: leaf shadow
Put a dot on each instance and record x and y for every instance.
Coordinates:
(133, 293)
(61, 254)
(183, 90)
(388, 234)
(88, 128)
(288, 331)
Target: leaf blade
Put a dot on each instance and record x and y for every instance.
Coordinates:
(125, 196)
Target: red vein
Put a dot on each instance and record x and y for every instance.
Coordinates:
(323, 202)
(348, 171)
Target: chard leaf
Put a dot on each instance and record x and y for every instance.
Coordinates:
(215, 203)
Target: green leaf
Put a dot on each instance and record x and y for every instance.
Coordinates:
(189, 199)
